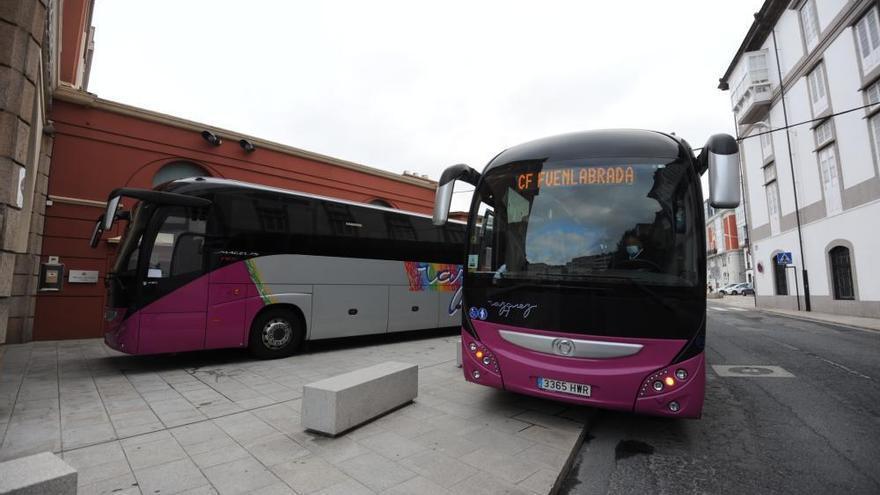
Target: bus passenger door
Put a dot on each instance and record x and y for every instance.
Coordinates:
(175, 287)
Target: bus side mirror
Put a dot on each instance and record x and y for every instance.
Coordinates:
(722, 156)
(97, 231)
(110, 213)
(443, 196)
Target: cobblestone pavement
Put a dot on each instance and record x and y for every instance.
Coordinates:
(220, 422)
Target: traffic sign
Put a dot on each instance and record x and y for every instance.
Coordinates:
(783, 258)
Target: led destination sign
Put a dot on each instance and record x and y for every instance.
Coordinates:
(576, 176)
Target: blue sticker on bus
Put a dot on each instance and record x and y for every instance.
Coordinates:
(474, 313)
(483, 313)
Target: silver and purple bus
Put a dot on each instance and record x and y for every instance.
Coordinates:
(585, 268)
(210, 263)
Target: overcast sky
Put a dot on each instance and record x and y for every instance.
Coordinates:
(422, 85)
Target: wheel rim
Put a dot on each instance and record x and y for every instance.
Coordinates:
(277, 333)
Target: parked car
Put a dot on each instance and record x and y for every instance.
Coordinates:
(738, 289)
(727, 288)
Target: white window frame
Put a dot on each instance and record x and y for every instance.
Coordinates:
(810, 24)
(824, 133)
(769, 172)
(829, 175)
(771, 191)
(874, 130)
(817, 86)
(867, 32)
(767, 144)
(873, 94)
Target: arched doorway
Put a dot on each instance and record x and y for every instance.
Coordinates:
(180, 169)
(779, 276)
(841, 273)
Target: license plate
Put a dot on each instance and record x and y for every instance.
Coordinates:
(552, 385)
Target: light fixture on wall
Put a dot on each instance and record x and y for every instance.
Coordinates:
(212, 138)
(246, 145)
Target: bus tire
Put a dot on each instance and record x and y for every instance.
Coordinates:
(276, 333)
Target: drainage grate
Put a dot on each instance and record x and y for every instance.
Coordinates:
(751, 371)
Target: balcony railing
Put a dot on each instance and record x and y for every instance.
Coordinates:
(752, 93)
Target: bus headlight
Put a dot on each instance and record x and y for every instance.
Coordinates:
(681, 373)
(658, 385)
(476, 374)
(674, 406)
(484, 356)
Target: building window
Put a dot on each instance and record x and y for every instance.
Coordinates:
(772, 192)
(810, 24)
(830, 180)
(767, 145)
(868, 39)
(780, 278)
(873, 95)
(841, 273)
(824, 134)
(771, 189)
(818, 89)
(178, 170)
(770, 173)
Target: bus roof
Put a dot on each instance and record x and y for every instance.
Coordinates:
(194, 185)
(608, 143)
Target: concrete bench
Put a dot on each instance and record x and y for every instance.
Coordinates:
(340, 403)
(39, 474)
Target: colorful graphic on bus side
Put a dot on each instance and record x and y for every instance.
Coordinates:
(257, 279)
(441, 277)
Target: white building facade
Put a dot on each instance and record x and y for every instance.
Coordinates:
(812, 189)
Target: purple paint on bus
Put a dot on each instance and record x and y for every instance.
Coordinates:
(213, 311)
(615, 383)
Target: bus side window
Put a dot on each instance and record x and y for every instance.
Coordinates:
(177, 224)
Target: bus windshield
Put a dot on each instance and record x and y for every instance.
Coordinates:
(586, 220)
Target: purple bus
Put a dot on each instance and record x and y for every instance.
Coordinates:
(211, 263)
(585, 269)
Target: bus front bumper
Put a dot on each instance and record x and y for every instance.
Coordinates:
(120, 333)
(616, 384)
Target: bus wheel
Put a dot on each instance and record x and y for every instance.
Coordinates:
(275, 333)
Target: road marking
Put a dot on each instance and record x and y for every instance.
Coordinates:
(751, 371)
(719, 309)
(832, 363)
(739, 309)
(844, 368)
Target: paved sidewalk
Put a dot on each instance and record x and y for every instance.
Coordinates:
(852, 321)
(221, 422)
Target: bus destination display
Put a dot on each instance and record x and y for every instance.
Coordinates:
(576, 176)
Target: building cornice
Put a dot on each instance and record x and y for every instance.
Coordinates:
(845, 18)
(66, 93)
(765, 19)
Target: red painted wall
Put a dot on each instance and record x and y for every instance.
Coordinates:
(96, 151)
(731, 234)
